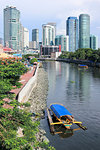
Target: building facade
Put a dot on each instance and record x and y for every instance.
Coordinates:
(48, 34)
(72, 32)
(1, 41)
(84, 31)
(35, 37)
(33, 45)
(12, 27)
(52, 24)
(94, 42)
(47, 50)
(26, 38)
(63, 41)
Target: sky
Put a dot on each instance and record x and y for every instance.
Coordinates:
(34, 13)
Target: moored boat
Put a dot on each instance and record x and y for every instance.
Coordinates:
(63, 115)
(82, 66)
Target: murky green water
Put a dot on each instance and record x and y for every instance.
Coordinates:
(79, 90)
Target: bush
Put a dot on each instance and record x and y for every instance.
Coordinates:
(27, 104)
(33, 60)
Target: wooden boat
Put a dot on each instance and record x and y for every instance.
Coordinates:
(82, 66)
(63, 116)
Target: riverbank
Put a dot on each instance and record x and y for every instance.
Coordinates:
(77, 61)
(39, 93)
(86, 62)
(38, 102)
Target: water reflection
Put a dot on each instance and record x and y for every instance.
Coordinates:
(63, 132)
(82, 99)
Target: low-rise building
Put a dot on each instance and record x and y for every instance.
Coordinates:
(47, 50)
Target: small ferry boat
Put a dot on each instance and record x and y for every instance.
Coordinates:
(63, 116)
(82, 66)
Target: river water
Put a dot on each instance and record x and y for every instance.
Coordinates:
(79, 90)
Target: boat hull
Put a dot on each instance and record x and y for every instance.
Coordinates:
(58, 115)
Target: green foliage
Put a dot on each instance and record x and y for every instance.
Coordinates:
(46, 146)
(13, 119)
(83, 54)
(28, 55)
(33, 60)
(27, 104)
(72, 81)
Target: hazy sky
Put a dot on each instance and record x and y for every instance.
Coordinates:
(34, 13)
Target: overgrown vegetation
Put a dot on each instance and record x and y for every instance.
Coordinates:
(29, 55)
(33, 60)
(83, 54)
(13, 118)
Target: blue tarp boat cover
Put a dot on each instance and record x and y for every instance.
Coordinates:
(82, 65)
(59, 110)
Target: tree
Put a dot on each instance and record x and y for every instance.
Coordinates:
(33, 60)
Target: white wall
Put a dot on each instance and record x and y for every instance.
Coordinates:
(26, 37)
(27, 89)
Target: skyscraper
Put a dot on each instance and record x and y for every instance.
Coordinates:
(94, 42)
(26, 38)
(1, 40)
(12, 27)
(63, 41)
(53, 24)
(84, 31)
(48, 34)
(35, 37)
(72, 32)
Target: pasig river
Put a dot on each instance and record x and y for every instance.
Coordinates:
(79, 90)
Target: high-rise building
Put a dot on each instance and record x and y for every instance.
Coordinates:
(48, 34)
(32, 45)
(21, 37)
(63, 41)
(12, 27)
(53, 24)
(35, 37)
(72, 32)
(84, 31)
(1, 41)
(93, 42)
(26, 38)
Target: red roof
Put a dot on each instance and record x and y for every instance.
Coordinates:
(7, 49)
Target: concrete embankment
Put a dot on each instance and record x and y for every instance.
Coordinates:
(25, 92)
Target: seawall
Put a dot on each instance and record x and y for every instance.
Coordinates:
(25, 92)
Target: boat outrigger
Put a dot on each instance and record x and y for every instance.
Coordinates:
(63, 116)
